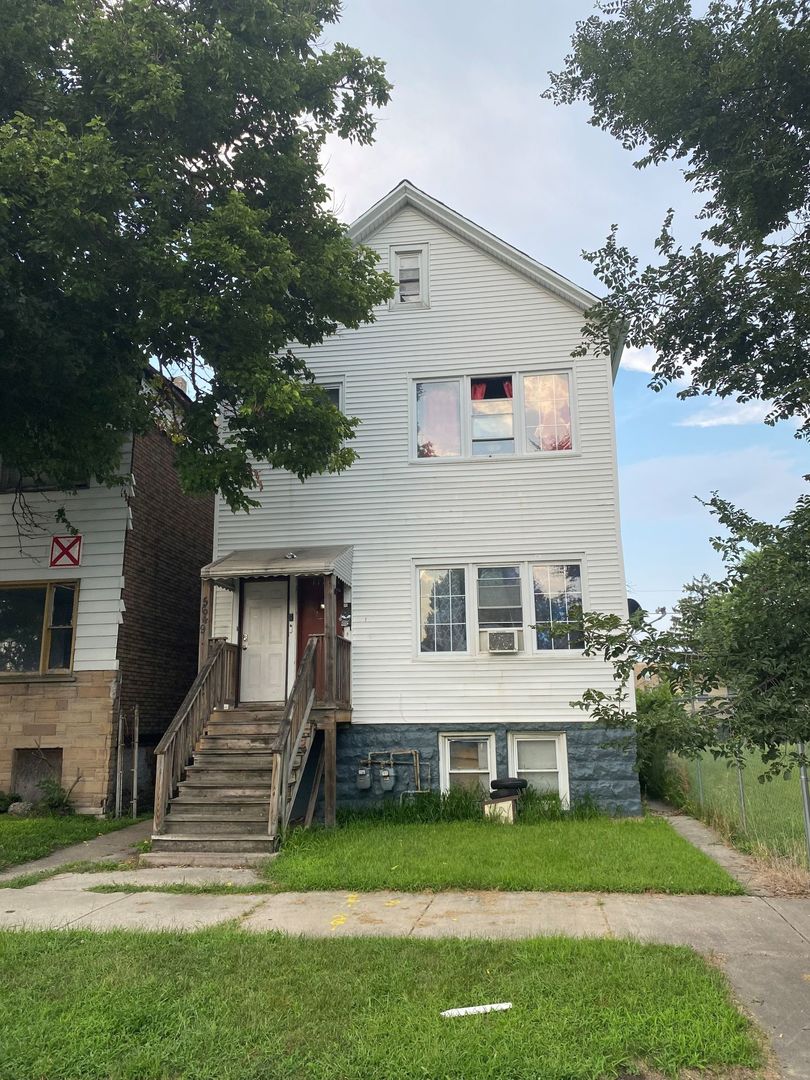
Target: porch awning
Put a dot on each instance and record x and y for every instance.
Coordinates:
(282, 561)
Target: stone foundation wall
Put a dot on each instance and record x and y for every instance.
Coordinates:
(599, 767)
(74, 715)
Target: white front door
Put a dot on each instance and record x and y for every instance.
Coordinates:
(264, 641)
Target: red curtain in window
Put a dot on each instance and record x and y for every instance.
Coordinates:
(478, 390)
(507, 387)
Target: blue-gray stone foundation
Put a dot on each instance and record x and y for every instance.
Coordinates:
(601, 764)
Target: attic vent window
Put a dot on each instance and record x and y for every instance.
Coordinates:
(410, 272)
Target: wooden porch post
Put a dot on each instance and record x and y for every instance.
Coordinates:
(329, 634)
(330, 773)
(206, 615)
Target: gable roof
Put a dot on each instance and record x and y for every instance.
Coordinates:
(407, 194)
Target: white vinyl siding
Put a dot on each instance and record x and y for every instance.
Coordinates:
(542, 761)
(401, 513)
(102, 516)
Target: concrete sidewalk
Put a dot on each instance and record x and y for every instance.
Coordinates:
(763, 943)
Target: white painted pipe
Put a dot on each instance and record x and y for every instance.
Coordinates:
(471, 1010)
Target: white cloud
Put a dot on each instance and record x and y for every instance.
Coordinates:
(727, 414)
(638, 359)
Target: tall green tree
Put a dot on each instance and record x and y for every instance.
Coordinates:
(162, 207)
(728, 93)
(748, 633)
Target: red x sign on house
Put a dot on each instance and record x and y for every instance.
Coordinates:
(66, 550)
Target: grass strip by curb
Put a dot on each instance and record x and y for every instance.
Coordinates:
(239, 1006)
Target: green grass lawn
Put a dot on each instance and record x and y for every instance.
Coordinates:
(774, 822)
(22, 839)
(596, 854)
(236, 1006)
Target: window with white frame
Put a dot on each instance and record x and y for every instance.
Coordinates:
(443, 610)
(541, 760)
(334, 391)
(502, 415)
(508, 599)
(438, 419)
(557, 589)
(492, 427)
(547, 412)
(467, 761)
(410, 273)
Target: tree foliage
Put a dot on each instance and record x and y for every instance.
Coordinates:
(727, 93)
(162, 208)
(747, 633)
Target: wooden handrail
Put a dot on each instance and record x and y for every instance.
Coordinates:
(292, 729)
(343, 671)
(214, 686)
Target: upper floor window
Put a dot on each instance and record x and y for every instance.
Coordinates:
(503, 415)
(409, 269)
(334, 391)
(37, 624)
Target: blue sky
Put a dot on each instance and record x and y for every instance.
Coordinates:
(466, 123)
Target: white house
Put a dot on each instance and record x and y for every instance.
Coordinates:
(484, 501)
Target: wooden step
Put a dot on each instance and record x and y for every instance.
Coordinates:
(237, 741)
(204, 795)
(235, 844)
(215, 827)
(258, 774)
(242, 715)
(235, 731)
(200, 787)
(234, 759)
(211, 810)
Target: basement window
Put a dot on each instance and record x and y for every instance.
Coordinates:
(467, 761)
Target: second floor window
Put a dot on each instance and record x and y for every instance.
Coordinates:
(493, 416)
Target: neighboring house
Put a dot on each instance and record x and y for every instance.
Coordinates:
(93, 625)
(484, 500)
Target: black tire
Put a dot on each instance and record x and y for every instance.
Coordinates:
(502, 783)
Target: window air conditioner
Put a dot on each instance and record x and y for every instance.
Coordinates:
(502, 641)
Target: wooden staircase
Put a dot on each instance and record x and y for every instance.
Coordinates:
(224, 803)
(227, 778)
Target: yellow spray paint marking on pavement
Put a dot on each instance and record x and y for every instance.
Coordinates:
(338, 920)
(352, 898)
(392, 903)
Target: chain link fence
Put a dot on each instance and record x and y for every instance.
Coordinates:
(765, 819)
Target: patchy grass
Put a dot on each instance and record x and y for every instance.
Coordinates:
(184, 889)
(85, 866)
(596, 855)
(23, 839)
(123, 1006)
